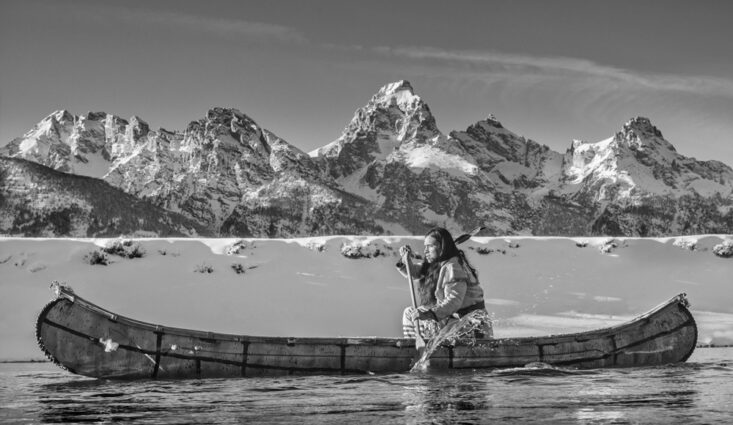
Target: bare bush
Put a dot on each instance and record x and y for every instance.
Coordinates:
(486, 251)
(204, 268)
(97, 258)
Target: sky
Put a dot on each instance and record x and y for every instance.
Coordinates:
(551, 71)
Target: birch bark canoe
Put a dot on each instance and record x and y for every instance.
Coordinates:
(88, 340)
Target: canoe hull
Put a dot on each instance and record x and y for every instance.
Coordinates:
(88, 340)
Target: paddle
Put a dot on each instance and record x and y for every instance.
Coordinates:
(419, 341)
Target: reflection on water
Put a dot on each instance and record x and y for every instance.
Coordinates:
(696, 392)
(586, 415)
(611, 400)
(434, 401)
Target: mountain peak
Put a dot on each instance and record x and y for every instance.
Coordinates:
(640, 127)
(217, 113)
(138, 127)
(397, 86)
(639, 134)
(395, 112)
(60, 115)
(95, 116)
(493, 121)
(233, 118)
(400, 94)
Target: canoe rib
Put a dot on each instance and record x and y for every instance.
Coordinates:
(86, 339)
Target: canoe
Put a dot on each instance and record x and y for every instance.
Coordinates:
(86, 339)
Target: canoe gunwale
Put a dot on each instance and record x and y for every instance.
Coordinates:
(64, 292)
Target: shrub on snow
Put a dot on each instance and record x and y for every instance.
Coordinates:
(687, 244)
(204, 268)
(124, 248)
(724, 249)
(238, 268)
(608, 246)
(360, 249)
(486, 251)
(237, 247)
(97, 257)
(318, 246)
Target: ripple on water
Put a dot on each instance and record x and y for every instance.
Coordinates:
(695, 392)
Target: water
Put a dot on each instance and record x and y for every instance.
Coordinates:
(700, 391)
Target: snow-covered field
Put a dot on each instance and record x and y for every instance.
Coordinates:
(308, 287)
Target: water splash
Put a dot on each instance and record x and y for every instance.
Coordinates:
(462, 329)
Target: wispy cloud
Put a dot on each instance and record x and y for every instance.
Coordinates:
(490, 67)
(535, 70)
(223, 27)
(227, 27)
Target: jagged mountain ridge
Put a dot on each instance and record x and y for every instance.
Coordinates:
(214, 172)
(393, 171)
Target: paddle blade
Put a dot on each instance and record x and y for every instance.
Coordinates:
(421, 360)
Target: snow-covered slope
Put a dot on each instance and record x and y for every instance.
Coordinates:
(67, 143)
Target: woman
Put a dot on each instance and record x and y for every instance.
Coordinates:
(447, 287)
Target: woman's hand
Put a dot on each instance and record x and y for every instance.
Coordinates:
(404, 250)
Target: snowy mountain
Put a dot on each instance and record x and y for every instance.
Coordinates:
(223, 171)
(391, 171)
(638, 184)
(392, 154)
(638, 162)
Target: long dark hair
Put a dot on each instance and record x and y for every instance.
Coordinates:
(429, 270)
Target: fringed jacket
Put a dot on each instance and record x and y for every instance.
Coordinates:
(456, 289)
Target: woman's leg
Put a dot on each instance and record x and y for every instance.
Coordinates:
(408, 326)
(428, 328)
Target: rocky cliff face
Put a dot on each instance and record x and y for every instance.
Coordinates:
(391, 171)
(38, 201)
